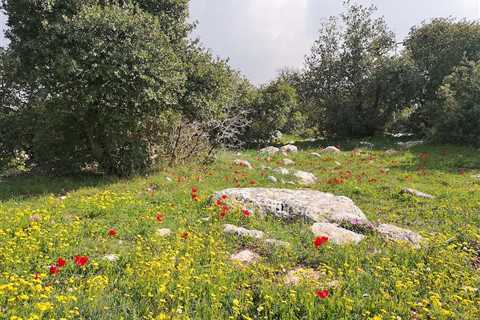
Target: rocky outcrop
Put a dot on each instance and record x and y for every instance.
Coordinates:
(336, 234)
(395, 233)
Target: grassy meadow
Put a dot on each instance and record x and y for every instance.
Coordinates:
(125, 270)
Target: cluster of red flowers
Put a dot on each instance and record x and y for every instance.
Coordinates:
(79, 261)
(159, 217)
(194, 194)
(246, 212)
(322, 294)
(112, 232)
(222, 207)
(320, 241)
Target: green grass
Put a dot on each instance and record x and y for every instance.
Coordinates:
(193, 278)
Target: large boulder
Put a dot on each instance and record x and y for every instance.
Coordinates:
(336, 234)
(308, 205)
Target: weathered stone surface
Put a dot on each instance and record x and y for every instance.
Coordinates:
(330, 149)
(245, 257)
(336, 234)
(289, 148)
(288, 162)
(296, 276)
(276, 243)
(111, 257)
(289, 204)
(272, 179)
(391, 152)
(417, 193)
(269, 150)
(242, 232)
(304, 177)
(282, 171)
(410, 144)
(392, 232)
(242, 163)
(164, 232)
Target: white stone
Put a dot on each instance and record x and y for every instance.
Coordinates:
(391, 152)
(336, 234)
(305, 178)
(315, 154)
(282, 171)
(242, 163)
(330, 149)
(309, 205)
(288, 162)
(417, 193)
(168, 179)
(164, 232)
(242, 232)
(111, 257)
(269, 150)
(277, 243)
(245, 257)
(272, 179)
(392, 232)
(289, 148)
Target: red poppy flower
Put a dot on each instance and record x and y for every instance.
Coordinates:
(224, 197)
(246, 213)
(184, 235)
(54, 269)
(320, 241)
(159, 217)
(194, 190)
(80, 261)
(61, 262)
(112, 232)
(322, 294)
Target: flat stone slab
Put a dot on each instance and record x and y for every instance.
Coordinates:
(410, 144)
(242, 232)
(309, 205)
(417, 193)
(395, 233)
(245, 257)
(336, 234)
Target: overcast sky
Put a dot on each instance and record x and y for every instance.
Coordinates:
(262, 36)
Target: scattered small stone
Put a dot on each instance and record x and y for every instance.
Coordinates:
(296, 276)
(277, 243)
(336, 234)
(305, 178)
(391, 152)
(282, 171)
(410, 144)
(287, 162)
(395, 233)
(289, 148)
(242, 163)
(417, 193)
(164, 232)
(245, 256)
(242, 232)
(272, 179)
(269, 150)
(315, 154)
(330, 149)
(111, 257)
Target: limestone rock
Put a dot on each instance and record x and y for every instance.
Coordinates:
(410, 144)
(164, 232)
(289, 148)
(111, 257)
(288, 162)
(330, 149)
(277, 243)
(305, 178)
(309, 205)
(242, 163)
(336, 234)
(269, 150)
(272, 179)
(392, 232)
(282, 171)
(391, 152)
(417, 193)
(245, 257)
(242, 232)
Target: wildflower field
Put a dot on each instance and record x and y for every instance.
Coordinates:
(90, 248)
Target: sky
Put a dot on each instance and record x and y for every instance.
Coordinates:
(260, 37)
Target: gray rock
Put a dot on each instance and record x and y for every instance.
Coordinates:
(282, 171)
(164, 232)
(391, 152)
(305, 178)
(330, 149)
(272, 179)
(336, 234)
(417, 193)
(289, 148)
(277, 243)
(245, 257)
(309, 205)
(242, 232)
(269, 150)
(395, 233)
(410, 144)
(242, 163)
(288, 162)
(111, 257)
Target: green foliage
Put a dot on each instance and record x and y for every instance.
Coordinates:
(350, 75)
(457, 116)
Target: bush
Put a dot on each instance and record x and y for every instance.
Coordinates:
(457, 115)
